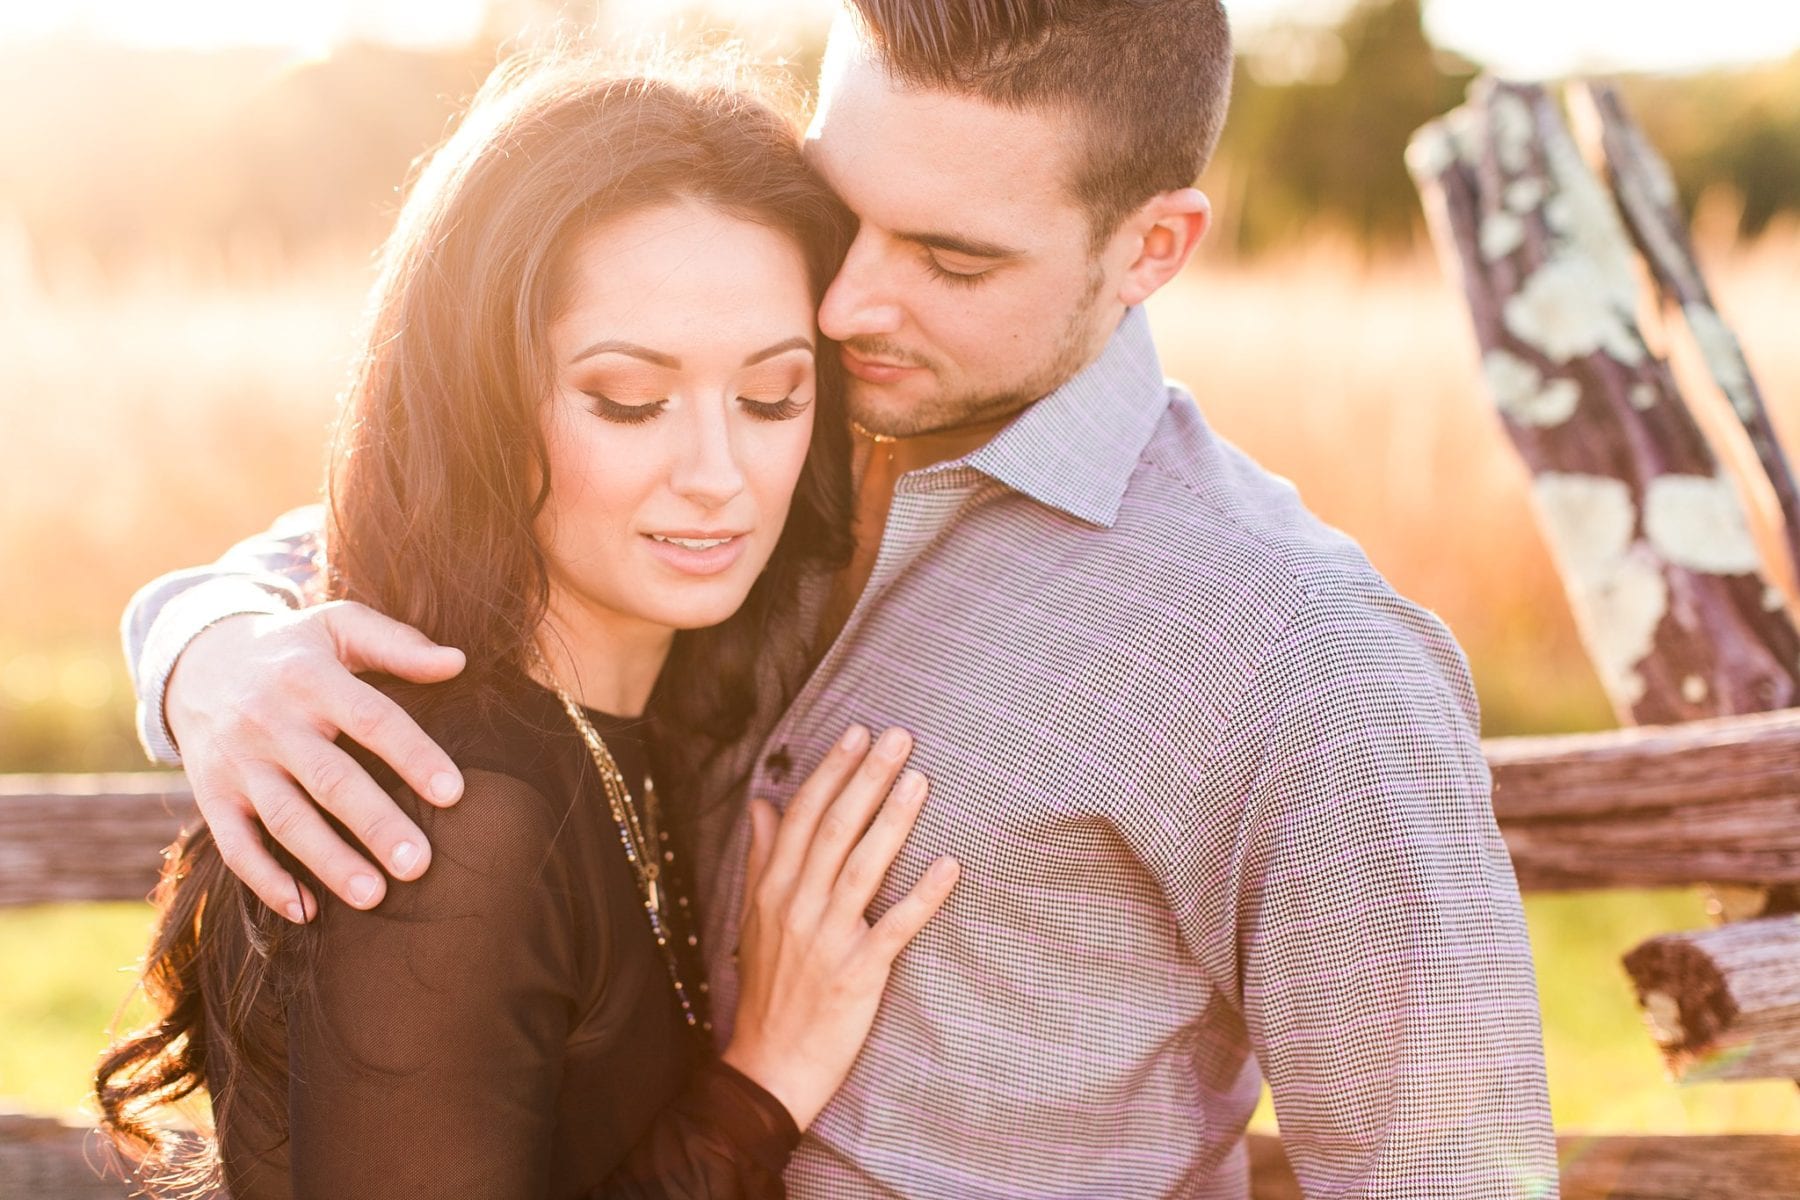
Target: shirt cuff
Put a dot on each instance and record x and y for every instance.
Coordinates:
(184, 618)
(752, 1119)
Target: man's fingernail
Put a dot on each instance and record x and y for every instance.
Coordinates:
(296, 912)
(405, 855)
(362, 889)
(445, 787)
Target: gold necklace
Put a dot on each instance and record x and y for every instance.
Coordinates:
(639, 836)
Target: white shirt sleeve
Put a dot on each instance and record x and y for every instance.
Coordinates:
(268, 573)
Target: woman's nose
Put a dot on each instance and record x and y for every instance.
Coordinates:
(706, 469)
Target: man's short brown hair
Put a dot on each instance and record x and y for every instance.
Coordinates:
(1150, 79)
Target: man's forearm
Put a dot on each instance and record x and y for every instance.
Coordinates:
(267, 573)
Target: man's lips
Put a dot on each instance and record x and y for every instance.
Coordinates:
(874, 370)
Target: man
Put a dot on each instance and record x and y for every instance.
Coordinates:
(1216, 789)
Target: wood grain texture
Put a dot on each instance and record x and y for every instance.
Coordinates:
(1724, 1003)
(1667, 584)
(87, 837)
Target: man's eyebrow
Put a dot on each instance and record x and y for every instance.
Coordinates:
(615, 346)
(793, 343)
(961, 245)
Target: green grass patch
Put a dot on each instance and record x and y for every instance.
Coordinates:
(73, 965)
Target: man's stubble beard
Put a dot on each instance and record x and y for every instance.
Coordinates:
(940, 413)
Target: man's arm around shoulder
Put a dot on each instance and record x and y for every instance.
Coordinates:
(249, 689)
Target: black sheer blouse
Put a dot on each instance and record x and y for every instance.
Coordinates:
(505, 1027)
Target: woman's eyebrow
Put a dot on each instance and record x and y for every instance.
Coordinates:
(658, 358)
(768, 352)
(615, 346)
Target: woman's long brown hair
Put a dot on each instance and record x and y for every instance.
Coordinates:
(438, 473)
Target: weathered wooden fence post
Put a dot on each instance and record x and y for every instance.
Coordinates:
(1677, 606)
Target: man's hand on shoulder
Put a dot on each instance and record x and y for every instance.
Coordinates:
(256, 703)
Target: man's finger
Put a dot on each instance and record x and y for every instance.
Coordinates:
(369, 641)
(342, 788)
(291, 819)
(380, 726)
(240, 846)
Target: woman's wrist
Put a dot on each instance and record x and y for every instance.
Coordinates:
(772, 1076)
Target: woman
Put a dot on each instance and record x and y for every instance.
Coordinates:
(593, 440)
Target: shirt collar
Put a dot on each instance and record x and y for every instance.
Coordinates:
(1076, 449)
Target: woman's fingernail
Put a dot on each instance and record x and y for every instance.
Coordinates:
(892, 744)
(912, 784)
(362, 889)
(445, 787)
(405, 855)
(296, 912)
(854, 739)
(943, 870)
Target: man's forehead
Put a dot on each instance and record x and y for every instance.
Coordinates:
(916, 151)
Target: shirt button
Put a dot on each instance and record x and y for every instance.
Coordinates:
(778, 763)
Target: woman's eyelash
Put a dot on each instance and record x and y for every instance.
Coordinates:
(608, 409)
(954, 278)
(784, 409)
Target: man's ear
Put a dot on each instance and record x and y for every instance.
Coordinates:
(1162, 235)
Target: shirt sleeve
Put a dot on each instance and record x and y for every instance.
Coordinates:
(1385, 970)
(431, 1063)
(268, 573)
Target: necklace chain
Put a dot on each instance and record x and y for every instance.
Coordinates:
(640, 836)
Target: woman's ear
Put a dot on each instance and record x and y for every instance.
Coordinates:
(1163, 233)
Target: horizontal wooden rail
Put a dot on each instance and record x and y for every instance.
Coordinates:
(87, 837)
(1657, 806)
(1715, 801)
(1727, 1167)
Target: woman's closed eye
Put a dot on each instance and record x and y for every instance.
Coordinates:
(784, 409)
(608, 409)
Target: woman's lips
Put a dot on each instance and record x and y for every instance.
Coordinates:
(697, 560)
(872, 371)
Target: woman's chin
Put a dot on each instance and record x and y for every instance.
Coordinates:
(693, 606)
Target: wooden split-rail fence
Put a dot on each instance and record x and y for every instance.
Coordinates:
(1687, 613)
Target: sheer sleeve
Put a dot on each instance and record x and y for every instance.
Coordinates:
(431, 1064)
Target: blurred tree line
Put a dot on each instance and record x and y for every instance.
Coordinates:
(114, 154)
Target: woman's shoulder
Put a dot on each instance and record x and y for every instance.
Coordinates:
(493, 722)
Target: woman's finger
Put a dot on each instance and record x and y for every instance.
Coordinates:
(901, 923)
(869, 862)
(764, 824)
(811, 800)
(842, 825)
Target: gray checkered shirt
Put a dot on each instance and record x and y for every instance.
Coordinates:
(1222, 813)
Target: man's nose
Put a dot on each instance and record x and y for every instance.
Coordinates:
(861, 301)
(706, 469)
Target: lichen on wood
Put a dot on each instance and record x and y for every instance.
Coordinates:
(1649, 530)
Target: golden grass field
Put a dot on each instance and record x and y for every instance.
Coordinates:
(150, 420)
